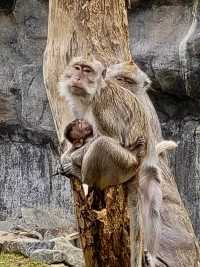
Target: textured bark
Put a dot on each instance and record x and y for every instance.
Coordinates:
(27, 134)
(100, 27)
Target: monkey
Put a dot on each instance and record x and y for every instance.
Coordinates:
(105, 168)
(120, 118)
(131, 77)
(79, 85)
(79, 133)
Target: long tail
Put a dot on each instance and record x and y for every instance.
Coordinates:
(165, 145)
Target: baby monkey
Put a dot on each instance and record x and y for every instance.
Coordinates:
(78, 132)
(104, 166)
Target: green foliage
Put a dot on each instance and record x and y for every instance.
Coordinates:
(16, 260)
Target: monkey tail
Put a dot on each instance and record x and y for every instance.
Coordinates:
(165, 145)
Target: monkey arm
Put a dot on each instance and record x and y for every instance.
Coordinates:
(107, 163)
(71, 160)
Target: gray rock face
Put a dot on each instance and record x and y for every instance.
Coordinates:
(57, 250)
(48, 256)
(165, 42)
(27, 137)
(25, 246)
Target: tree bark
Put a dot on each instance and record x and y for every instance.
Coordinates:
(78, 27)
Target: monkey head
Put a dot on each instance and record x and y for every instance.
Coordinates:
(82, 77)
(77, 132)
(130, 76)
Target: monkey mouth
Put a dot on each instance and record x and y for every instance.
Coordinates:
(77, 90)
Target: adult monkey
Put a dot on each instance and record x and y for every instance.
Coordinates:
(131, 77)
(116, 113)
(128, 75)
(81, 81)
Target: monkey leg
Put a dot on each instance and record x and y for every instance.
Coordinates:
(69, 169)
(151, 195)
(107, 163)
(70, 163)
(139, 147)
(71, 160)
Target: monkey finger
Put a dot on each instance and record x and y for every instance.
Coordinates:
(162, 261)
(140, 141)
(147, 258)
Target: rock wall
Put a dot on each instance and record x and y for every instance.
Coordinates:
(165, 42)
(27, 137)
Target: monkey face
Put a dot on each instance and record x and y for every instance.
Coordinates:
(78, 131)
(82, 77)
(129, 76)
(82, 80)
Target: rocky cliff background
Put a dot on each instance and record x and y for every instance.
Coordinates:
(165, 42)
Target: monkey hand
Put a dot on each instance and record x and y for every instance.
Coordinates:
(59, 170)
(69, 168)
(151, 261)
(139, 146)
(148, 259)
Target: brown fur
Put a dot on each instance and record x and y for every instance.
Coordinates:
(119, 117)
(130, 76)
(77, 132)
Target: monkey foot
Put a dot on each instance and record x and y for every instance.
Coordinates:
(59, 170)
(139, 147)
(140, 143)
(149, 259)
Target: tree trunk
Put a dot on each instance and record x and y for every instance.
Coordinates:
(77, 27)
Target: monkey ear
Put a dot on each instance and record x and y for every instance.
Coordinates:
(68, 129)
(104, 73)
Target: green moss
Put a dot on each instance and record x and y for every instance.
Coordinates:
(16, 260)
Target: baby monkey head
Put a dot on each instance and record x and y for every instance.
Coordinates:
(129, 75)
(83, 76)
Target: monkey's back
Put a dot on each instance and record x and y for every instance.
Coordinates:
(119, 114)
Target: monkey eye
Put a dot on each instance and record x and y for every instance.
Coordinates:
(77, 67)
(120, 78)
(87, 70)
(130, 81)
